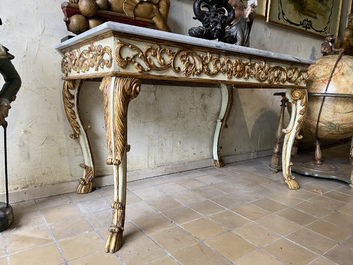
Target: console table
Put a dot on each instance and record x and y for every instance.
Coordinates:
(121, 55)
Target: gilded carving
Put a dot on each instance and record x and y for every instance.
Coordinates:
(85, 183)
(81, 61)
(300, 94)
(192, 63)
(115, 237)
(69, 106)
(115, 113)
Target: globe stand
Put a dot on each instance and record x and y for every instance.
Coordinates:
(6, 211)
(340, 167)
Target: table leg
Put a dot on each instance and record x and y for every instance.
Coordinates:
(117, 93)
(226, 104)
(71, 91)
(276, 154)
(299, 99)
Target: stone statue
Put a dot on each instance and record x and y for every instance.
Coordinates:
(238, 32)
(12, 83)
(214, 15)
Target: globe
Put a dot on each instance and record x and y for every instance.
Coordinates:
(330, 116)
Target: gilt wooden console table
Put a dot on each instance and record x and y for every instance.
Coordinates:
(122, 55)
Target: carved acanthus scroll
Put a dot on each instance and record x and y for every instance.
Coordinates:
(81, 61)
(116, 99)
(69, 91)
(193, 63)
(298, 99)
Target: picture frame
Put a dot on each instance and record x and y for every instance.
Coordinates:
(261, 7)
(316, 17)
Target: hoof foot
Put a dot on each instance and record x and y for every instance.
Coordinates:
(292, 184)
(114, 242)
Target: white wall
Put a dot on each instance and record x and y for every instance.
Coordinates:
(167, 124)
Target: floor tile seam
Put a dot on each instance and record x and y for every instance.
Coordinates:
(32, 248)
(53, 237)
(157, 244)
(172, 257)
(315, 217)
(207, 199)
(251, 220)
(98, 251)
(259, 247)
(323, 235)
(322, 219)
(162, 212)
(256, 222)
(334, 198)
(37, 203)
(84, 215)
(216, 251)
(199, 240)
(344, 185)
(350, 193)
(142, 199)
(7, 254)
(275, 257)
(325, 258)
(332, 248)
(268, 253)
(84, 212)
(319, 254)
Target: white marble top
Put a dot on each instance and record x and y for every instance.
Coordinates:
(168, 36)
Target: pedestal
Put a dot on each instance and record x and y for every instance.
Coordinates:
(6, 216)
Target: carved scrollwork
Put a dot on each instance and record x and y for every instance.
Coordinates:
(295, 96)
(192, 63)
(300, 94)
(115, 114)
(81, 61)
(69, 89)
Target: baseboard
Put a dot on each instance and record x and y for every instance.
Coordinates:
(101, 181)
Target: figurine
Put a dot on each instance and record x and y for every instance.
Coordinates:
(7, 95)
(238, 31)
(12, 83)
(214, 20)
(226, 20)
(328, 47)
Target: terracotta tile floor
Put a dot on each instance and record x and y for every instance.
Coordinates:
(240, 214)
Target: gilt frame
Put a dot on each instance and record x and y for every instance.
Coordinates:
(313, 17)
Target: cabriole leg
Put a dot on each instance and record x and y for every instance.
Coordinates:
(298, 98)
(71, 91)
(117, 93)
(226, 104)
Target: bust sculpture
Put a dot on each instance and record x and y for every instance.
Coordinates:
(228, 21)
(12, 83)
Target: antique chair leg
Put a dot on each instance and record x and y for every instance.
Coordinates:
(276, 155)
(117, 93)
